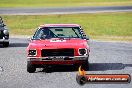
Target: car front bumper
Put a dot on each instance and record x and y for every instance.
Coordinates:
(4, 40)
(62, 60)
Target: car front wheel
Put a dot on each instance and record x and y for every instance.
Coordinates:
(30, 67)
(5, 44)
(85, 65)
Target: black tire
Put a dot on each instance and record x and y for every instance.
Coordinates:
(5, 44)
(30, 68)
(85, 66)
(48, 70)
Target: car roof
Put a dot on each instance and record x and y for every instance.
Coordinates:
(60, 25)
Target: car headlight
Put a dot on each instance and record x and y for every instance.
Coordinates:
(32, 52)
(82, 51)
(6, 32)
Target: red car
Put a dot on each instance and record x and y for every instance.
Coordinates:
(58, 44)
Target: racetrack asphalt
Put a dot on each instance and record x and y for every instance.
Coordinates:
(105, 58)
(63, 10)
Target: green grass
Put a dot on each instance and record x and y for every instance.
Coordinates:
(52, 3)
(101, 24)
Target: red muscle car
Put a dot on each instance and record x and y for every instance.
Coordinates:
(58, 44)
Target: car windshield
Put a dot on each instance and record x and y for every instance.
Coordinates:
(57, 32)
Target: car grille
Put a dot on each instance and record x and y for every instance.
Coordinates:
(57, 52)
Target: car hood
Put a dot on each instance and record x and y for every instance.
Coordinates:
(58, 43)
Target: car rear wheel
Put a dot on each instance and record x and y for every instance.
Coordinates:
(30, 67)
(5, 44)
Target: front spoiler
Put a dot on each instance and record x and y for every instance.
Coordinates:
(57, 58)
(60, 60)
(4, 40)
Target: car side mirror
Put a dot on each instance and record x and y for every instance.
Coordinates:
(30, 38)
(4, 25)
(86, 37)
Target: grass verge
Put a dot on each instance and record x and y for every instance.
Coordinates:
(62, 3)
(99, 24)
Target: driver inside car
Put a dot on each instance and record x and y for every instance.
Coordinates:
(46, 34)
